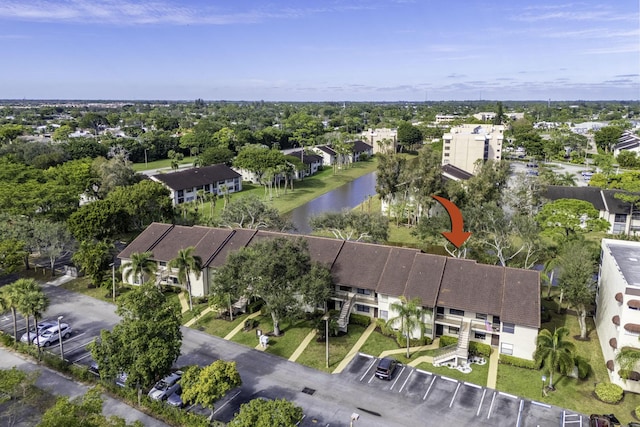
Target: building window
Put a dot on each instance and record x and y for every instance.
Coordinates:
(363, 308)
(364, 291)
(446, 154)
(455, 312)
(180, 193)
(509, 328)
(480, 336)
(384, 314)
(447, 148)
(453, 330)
(481, 316)
(345, 288)
(621, 218)
(383, 298)
(162, 263)
(506, 348)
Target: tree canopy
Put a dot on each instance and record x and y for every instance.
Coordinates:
(267, 413)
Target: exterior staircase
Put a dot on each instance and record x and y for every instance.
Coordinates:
(343, 318)
(456, 352)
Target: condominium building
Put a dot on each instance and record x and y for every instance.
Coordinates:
(618, 307)
(466, 144)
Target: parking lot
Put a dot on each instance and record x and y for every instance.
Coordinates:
(472, 404)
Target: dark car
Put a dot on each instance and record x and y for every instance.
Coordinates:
(596, 420)
(175, 398)
(386, 368)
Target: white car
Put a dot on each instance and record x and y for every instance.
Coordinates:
(166, 386)
(52, 335)
(33, 332)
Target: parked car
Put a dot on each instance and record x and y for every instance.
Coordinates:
(605, 420)
(175, 399)
(33, 332)
(386, 368)
(52, 335)
(166, 386)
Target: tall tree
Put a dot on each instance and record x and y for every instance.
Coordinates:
(570, 216)
(554, 352)
(146, 343)
(409, 314)
(140, 267)
(251, 212)
(186, 262)
(206, 385)
(53, 240)
(275, 270)
(353, 225)
(607, 137)
(33, 302)
(267, 413)
(408, 135)
(94, 257)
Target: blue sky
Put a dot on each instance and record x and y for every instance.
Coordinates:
(308, 50)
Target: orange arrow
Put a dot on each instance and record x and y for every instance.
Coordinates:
(457, 235)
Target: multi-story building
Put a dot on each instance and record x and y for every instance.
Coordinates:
(484, 303)
(618, 307)
(466, 144)
(383, 140)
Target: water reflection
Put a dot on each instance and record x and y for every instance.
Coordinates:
(347, 196)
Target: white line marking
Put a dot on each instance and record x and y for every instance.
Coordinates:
(544, 405)
(472, 385)
(481, 402)
(493, 399)
(455, 393)
(448, 379)
(227, 402)
(507, 395)
(82, 358)
(405, 382)
(424, 372)
(430, 385)
(519, 413)
(397, 378)
(367, 371)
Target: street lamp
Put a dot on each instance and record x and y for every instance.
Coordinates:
(113, 279)
(326, 337)
(145, 157)
(60, 338)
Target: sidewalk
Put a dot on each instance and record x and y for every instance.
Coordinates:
(305, 342)
(184, 302)
(356, 348)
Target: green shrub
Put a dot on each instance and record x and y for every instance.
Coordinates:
(6, 340)
(545, 317)
(359, 319)
(479, 349)
(637, 412)
(518, 362)
(609, 393)
(385, 329)
(254, 306)
(584, 369)
(446, 341)
(401, 340)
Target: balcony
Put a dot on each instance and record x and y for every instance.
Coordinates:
(359, 298)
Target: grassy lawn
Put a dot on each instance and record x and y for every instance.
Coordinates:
(81, 285)
(218, 327)
(377, 343)
(292, 335)
(478, 374)
(314, 355)
(159, 164)
(570, 392)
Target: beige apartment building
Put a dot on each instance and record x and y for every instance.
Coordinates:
(464, 145)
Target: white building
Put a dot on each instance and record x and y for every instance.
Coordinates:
(618, 306)
(464, 145)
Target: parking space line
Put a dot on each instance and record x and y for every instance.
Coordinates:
(430, 385)
(398, 377)
(82, 358)
(455, 393)
(448, 379)
(367, 371)
(544, 405)
(424, 372)
(493, 399)
(472, 385)
(227, 402)
(520, 413)
(405, 382)
(507, 395)
(481, 402)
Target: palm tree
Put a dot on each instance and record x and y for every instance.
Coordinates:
(186, 263)
(627, 358)
(140, 266)
(12, 295)
(410, 317)
(34, 302)
(554, 351)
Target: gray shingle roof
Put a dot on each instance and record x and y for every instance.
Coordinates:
(196, 177)
(512, 294)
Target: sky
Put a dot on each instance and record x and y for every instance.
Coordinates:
(312, 50)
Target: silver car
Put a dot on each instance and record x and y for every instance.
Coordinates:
(33, 332)
(166, 386)
(52, 335)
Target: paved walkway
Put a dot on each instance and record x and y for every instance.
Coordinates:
(493, 368)
(184, 301)
(305, 342)
(241, 325)
(356, 348)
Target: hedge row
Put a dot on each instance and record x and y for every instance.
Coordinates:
(517, 362)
